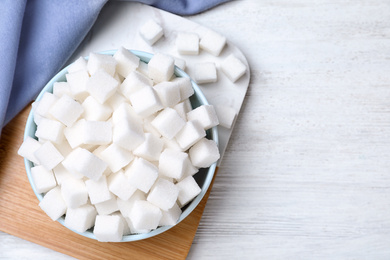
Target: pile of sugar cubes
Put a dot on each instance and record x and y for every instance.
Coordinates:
(117, 145)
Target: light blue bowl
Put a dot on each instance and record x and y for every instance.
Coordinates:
(203, 177)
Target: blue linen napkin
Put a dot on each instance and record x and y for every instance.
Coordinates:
(37, 37)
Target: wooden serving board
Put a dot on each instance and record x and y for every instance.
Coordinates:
(20, 214)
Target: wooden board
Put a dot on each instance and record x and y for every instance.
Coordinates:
(21, 216)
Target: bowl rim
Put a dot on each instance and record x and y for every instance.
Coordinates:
(213, 133)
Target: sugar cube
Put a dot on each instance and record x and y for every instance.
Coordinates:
(161, 67)
(205, 115)
(43, 179)
(61, 88)
(128, 134)
(233, 68)
(108, 228)
(168, 92)
(226, 115)
(170, 216)
(125, 206)
(61, 174)
(126, 61)
(145, 215)
(74, 192)
(50, 130)
(205, 72)
(98, 190)
(98, 61)
(212, 42)
(168, 122)
(150, 149)
(78, 84)
(188, 190)
(44, 104)
(28, 148)
(102, 85)
(95, 111)
(86, 163)
(66, 110)
(145, 101)
(97, 132)
(75, 134)
(48, 155)
(79, 64)
(183, 108)
(142, 174)
(133, 82)
(191, 133)
(187, 43)
(53, 204)
(180, 63)
(185, 86)
(80, 219)
(172, 163)
(116, 100)
(119, 185)
(204, 153)
(116, 157)
(163, 194)
(151, 32)
(107, 207)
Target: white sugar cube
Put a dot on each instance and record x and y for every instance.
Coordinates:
(126, 61)
(163, 194)
(74, 192)
(108, 228)
(48, 155)
(126, 228)
(98, 190)
(61, 174)
(95, 111)
(128, 134)
(116, 157)
(44, 105)
(191, 133)
(80, 219)
(142, 174)
(50, 130)
(226, 115)
(151, 32)
(53, 204)
(205, 115)
(119, 185)
(212, 42)
(233, 68)
(149, 128)
(97, 132)
(28, 148)
(180, 63)
(61, 88)
(37, 118)
(145, 101)
(66, 110)
(133, 82)
(190, 170)
(43, 179)
(172, 163)
(161, 67)
(205, 72)
(125, 206)
(116, 100)
(150, 149)
(102, 85)
(168, 92)
(204, 153)
(98, 61)
(186, 89)
(170, 216)
(188, 190)
(144, 215)
(125, 111)
(143, 69)
(171, 144)
(64, 148)
(187, 43)
(183, 108)
(84, 162)
(75, 134)
(168, 122)
(133, 230)
(79, 64)
(107, 207)
(78, 84)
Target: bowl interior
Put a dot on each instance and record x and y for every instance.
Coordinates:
(203, 177)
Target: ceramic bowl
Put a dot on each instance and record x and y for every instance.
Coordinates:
(203, 177)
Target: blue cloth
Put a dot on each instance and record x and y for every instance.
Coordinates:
(37, 37)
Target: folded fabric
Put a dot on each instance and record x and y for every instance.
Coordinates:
(38, 37)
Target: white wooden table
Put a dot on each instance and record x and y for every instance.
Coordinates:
(307, 172)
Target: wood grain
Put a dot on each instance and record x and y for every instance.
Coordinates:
(21, 216)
